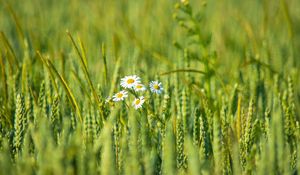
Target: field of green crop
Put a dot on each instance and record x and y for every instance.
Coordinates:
(149, 87)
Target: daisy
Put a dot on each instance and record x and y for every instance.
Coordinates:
(130, 81)
(156, 87)
(139, 87)
(120, 96)
(138, 102)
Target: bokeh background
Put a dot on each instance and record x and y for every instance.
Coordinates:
(143, 27)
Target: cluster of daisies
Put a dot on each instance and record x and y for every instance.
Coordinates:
(133, 84)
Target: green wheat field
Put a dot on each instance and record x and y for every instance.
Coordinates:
(135, 87)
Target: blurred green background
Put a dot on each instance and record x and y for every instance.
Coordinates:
(142, 32)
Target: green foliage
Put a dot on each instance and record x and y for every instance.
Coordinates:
(229, 69)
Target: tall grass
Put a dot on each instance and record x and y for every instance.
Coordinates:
(229, 69)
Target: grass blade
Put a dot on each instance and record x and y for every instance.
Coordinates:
(70, 95)
(86, 73)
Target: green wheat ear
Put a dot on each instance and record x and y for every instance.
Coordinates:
(42, 99)
(29, 103)
(88, 127)
(204, 137)
(55, 109)
(185, 111)
(217, 149)
(181, 164)
(55, 116)
(20, 124)
(196, 127)
(247, 139)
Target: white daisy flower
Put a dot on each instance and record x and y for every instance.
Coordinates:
(120, 96)
(138, 102)
(139, 87)
(130, 81)
(156, 87)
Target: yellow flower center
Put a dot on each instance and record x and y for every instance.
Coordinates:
(130, 81)
(156, 87)
(139, 86)
(119, 95)
(137, 101)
